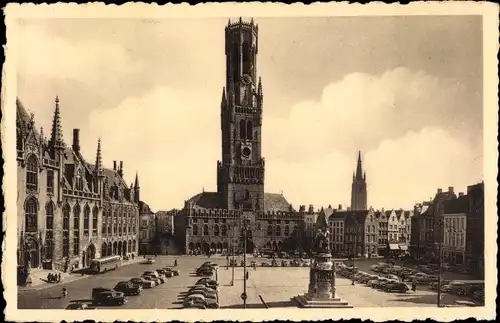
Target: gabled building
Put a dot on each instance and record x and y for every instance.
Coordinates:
(454, 230)
(382, 232)
(70, 211)
(336, 225)
(475, 248)
(361, 233)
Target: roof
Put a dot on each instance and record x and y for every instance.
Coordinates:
(212, 200)
(144, 208)
(460, 205)
(337, 216)
(359, 216)
(275, 202)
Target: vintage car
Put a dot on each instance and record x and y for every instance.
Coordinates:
(106, 297)
(128, 288)
(143, 282)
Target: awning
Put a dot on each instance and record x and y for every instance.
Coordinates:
(393, 246)
(403, 247)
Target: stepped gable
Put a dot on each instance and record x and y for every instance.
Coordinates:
(144, 208)
(276, 202)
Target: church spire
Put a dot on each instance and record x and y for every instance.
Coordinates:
(98, 158)
(136, 184)
(359, 169)
(223, 102)
(56, 138)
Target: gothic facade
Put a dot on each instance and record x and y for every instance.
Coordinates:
(215, 220)
(69, 210)
(359, 194)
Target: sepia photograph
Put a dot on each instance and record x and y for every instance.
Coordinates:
(250, 160)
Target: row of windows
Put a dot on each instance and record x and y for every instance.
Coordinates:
(223, 230)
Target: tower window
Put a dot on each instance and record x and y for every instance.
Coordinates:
(50, 181)
(242, 129)
(249, 130)
(31, 216)
(235, 61)
(246, 58)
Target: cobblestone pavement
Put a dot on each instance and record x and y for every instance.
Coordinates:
(278, 285)
(164, 296)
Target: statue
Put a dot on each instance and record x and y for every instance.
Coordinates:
(321, 243)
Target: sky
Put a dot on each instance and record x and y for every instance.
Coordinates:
(405, 91)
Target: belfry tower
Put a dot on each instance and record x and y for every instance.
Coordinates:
(359, 194)
(240, 173)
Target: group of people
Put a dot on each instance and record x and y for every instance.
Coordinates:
(54, 277)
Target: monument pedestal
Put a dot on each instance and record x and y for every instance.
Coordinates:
(321, 292)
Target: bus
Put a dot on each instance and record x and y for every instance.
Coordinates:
(104, 264)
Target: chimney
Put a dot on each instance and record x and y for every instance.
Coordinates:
(440, 190)
(450, 189)
(340, 207)
(302, 208)
(114, 165)
(76, 140)
(461, 194)
(120, 171)
(311, 208)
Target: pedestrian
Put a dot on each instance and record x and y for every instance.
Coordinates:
(59, 277)
(414, 286)
(247, 275)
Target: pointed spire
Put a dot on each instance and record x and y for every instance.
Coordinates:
(359, 169)
(41, 134)
(251, 21)
(259, 90)
(98, 158)
(56, 138)
(223, 102)
(136, 185)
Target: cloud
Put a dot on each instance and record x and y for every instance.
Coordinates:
(46, 55)
(172, 137)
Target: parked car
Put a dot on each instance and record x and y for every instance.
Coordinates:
(151, 279)
(163, 278)
(452, 287)
(194, 301)
(78, 306)
(478, 296)
(109, 298)
(150, 273)
(396, 286)
(143, 282)
(150, 261)
(157, 280)
(469, 289)
(128, 288)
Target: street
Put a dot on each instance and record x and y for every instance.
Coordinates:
(164, 296)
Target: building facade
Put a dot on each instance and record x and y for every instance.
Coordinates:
(147, 228)
(454, 230)
(383, 232)
(359, 193)
(474, 252)
(165, 221)
(336, 223)
(240, 208)
(69, 211)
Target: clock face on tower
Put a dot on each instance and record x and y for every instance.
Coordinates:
(246, 151)
(246, 79)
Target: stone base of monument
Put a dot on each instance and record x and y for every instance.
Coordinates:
(306, 301)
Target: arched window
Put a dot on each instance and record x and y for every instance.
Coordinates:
(269, 230)
(205, 230)
(76, 229)
(235, 61)
(216, 230)
(49, 219)
(95, 212)
(32, 173)
(49, 233)
(242, 129)
(278, 230)
(86, 219)
(249, 130)
(31, 218)
(195, 230)
(50, 181)
(65, 244)
(224, 230)
(287, 231)
(246, 57)
(76, 217)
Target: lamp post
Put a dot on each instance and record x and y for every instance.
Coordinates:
(442, 227)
